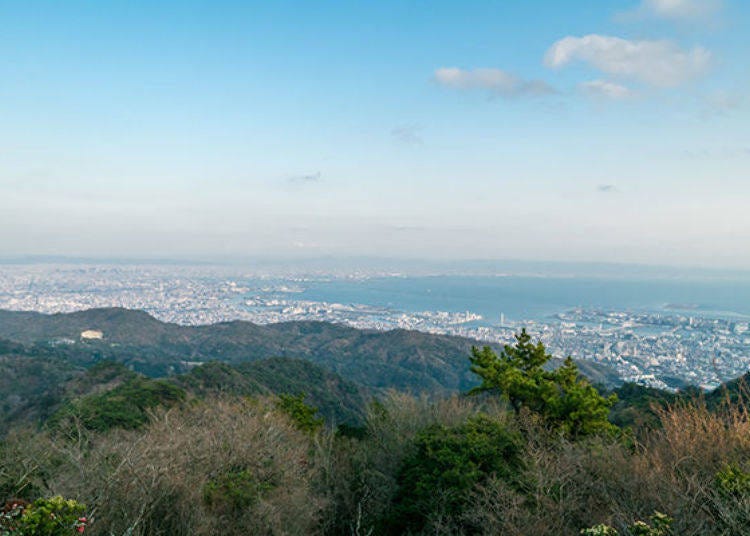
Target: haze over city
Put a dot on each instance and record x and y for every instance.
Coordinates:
(566, 131)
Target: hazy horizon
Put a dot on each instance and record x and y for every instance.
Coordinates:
(368, 266)
(583, 132)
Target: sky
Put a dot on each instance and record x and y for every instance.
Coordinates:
(605, 131)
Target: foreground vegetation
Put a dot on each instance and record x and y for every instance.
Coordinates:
(531, 452)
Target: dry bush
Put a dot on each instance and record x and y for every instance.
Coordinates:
(393, 423)
(155, 481)
(683, 458)
(27, 462)
(160, 481)
(567, 485)
(361, 476)
(693, 437)
(572, 485)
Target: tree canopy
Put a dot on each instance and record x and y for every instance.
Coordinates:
(561, 396)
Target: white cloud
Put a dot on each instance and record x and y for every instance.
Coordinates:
(604, 88)
(495, 81)
(684, 10)
(658, 63)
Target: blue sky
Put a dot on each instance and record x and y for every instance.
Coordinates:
(574, 131)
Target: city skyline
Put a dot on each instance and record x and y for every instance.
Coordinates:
(604, 132)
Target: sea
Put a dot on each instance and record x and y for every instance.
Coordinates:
(520, 298)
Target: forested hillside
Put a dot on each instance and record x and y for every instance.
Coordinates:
(392, 359)
(281, 445)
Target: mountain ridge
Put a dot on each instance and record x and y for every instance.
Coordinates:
(401, 359)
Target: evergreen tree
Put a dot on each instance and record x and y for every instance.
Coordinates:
(562, 396)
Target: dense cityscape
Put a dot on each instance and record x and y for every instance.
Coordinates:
(661, 349)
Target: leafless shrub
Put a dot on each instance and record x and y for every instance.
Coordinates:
(571, 485)
(26, 464)
(361, 476)
(240, 467)
(156, 481)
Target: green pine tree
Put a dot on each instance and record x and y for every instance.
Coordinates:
(562, 397)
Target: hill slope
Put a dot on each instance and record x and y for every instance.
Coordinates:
(35, 389)
(407, 360)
